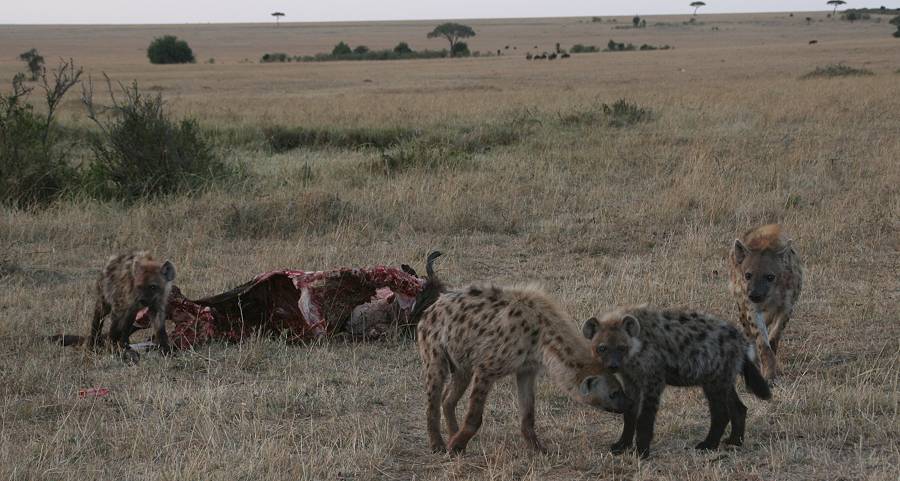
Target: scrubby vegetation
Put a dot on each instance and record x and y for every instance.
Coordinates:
(169, 49)
(837, 70)
(614, 46)
(141, 152)
(35, 62)
(35, 166)
(579, 48)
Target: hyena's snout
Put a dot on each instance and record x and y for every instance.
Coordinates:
(605, 392)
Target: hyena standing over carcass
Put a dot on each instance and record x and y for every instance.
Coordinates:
(481, 334)
(766, 278)
(131, 282)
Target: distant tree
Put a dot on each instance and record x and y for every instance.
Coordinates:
(836, 4)
(461, 49)
(896, 21)
(341, 49)
(168, 49)
(636, 21)
(696, 6)
(402, 48)
(277, 16)
(453, 32)
(35, 62)
(362, 49)
(808, 20)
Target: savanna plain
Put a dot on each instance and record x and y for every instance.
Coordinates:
(529, 180)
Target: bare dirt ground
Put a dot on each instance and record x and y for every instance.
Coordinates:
(599, 215)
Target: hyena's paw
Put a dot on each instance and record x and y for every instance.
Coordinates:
(732, 441)
(707, 446)
(619, 447)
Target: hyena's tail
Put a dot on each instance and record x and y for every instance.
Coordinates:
(430, 291)
(67, 339)
(754, 380)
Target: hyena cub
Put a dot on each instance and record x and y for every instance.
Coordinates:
(129, 283)
(655, 348)
(480, 334)
(765, 279)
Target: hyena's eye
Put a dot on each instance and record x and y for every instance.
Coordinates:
(748, 275)
(770, 277)
(601, 349)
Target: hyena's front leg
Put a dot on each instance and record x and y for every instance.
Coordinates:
(525, 383)
(101, 310)
(122, 326)
(162, 339)
(647, 419)
(778, 325)
(764, 348)
(626, 440)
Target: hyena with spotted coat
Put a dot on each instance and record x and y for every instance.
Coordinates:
(129, 283)
(655, 348)
(765, 278)
(480, 334)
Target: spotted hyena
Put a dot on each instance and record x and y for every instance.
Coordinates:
(129, 283)
(480, 334)
(654, 348)
(765, 279)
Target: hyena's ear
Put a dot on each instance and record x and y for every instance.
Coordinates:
(632, 325)
(168, 271)
(785, 250)
(590, 327)
(740, 252)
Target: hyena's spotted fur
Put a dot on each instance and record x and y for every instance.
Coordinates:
(655, 348)
(765, 278)
(127, 284)
(480, 334)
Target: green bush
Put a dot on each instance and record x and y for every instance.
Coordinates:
(168, 49)
(141, 152)
(275, 57)
(403, 48)
(460, 49)
(837, 70)
(579, 48)
(341, 49)
(34, 164)
(361, 49)
(282, 139)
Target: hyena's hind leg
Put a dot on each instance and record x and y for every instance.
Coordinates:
(435, 376)
(459, 382)
(481, 386)
(101, 310)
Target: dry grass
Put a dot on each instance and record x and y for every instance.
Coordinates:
(599, 215)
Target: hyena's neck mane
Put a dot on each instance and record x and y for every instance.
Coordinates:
(566, 353)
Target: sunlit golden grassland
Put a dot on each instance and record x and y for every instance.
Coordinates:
(600, 216)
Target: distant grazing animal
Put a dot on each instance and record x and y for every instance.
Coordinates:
(565, 55)
(766, 278)
(655, 348)
(813, 42)
(480, 334)
(552, 56)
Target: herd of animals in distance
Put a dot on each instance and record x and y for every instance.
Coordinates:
(621, 361)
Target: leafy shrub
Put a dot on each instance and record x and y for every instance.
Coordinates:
(361, 49)
(579, 48)
(35, 62)
(141, 152)
(341, 49)
(837, 70)
(402, 48)
(168, 49)
(274, 57)
(613, 46)
(282, 139)
(622, 113)
(34, 166)
(460, 49)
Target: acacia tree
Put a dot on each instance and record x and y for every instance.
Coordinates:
(277, 16)
(697, 5)
(35, 62)
(836, 4)
(453, 32)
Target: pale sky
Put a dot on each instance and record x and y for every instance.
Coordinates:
(203, 11)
